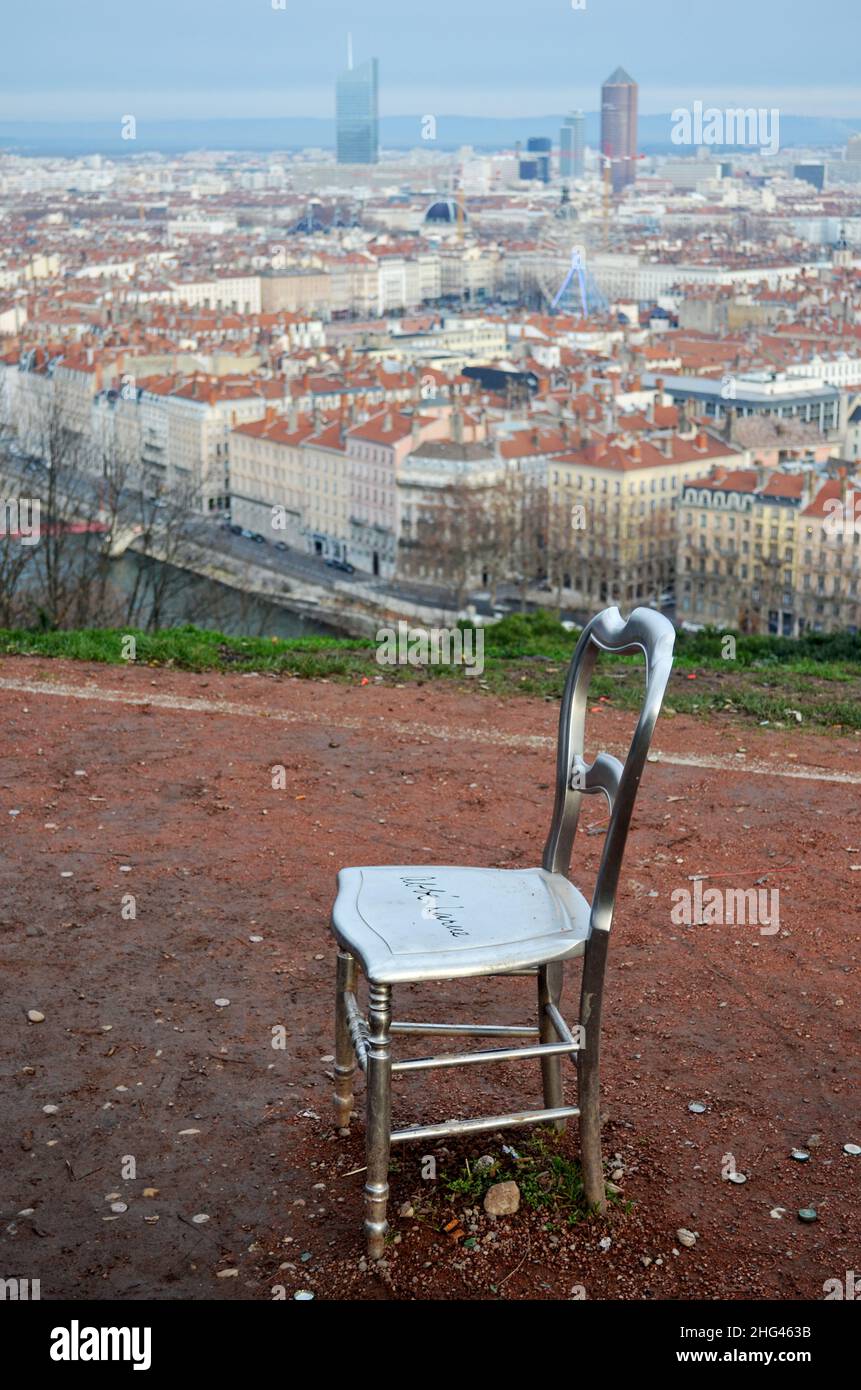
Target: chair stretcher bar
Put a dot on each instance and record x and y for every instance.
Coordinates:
(456, 1127)
(474, 1030)
(496, 1054)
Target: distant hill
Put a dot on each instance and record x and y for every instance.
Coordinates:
(396, 132)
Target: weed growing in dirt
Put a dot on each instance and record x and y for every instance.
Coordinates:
(547, 1178)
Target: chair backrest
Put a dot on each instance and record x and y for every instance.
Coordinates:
(653, 635)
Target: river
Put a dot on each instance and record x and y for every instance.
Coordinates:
(190, 598)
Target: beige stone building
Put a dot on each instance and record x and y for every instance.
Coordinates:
(296, 291)
(828, 564)
(326, 468)
(267, 470)
(447, 494)
(771, 552)
(186, 427)
(613, 514)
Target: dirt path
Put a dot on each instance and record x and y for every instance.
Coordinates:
(158, 785)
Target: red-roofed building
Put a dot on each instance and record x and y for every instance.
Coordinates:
(376, 450)
(267, 475)
(612, 502)
(771, 551)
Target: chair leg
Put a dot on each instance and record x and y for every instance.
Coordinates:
(379, 1118)
(549, 992)
(345, 1057)
(588, 1073)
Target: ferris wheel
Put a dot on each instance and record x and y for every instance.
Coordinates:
(565, 281)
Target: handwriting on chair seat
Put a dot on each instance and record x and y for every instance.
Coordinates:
(428, 893)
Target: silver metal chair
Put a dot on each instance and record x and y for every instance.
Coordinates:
(407, 924)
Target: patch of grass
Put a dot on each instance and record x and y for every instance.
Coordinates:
(547, 1178)
(528, 654)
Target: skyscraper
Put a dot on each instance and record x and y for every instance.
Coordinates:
(571, 146)
(356, 115)
(538, 167)
(619, 127)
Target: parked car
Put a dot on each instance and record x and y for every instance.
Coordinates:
(246, 534)
(281, 545)
(256, 536)
(234, 529)
(343, 565)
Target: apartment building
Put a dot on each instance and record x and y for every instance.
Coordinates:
(448, 491)
(296, 291)
(376, 450)
(407, 281)
(746, 393)
(613, 512)
(828, 559)
(736, 549)
(267, 470)
(185, 430)
(49, 393)
(354, 284)
(468, 272)
(327, 475)
(771, 551)
(239, 293)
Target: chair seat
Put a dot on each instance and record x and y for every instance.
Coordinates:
(439, 922)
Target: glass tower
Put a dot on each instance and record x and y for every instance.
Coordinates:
(356, 116)
(571, 146)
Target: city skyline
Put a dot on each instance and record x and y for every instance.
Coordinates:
(223, 59)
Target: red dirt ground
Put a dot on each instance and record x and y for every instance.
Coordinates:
(169, 777)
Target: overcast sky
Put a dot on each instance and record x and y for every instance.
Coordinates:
(162, 59)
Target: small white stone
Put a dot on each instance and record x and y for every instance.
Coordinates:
(200, 1219)
(222, 1003)
(686, 1237)
(119, 1206)
(50, 1109)
(35, 1016)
